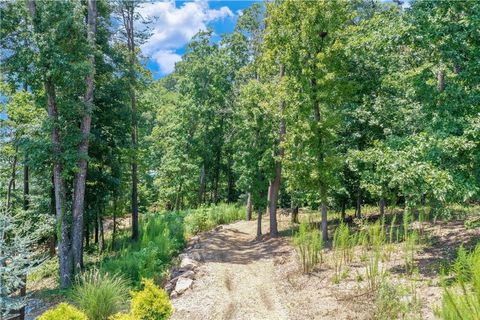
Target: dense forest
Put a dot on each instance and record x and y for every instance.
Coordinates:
(357, 110)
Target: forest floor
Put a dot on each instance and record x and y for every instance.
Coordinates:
(240, 277)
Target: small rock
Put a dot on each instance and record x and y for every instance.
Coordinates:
(188, 264)
(174, 294)
(188, 274)
(183, 284)
(169, 287)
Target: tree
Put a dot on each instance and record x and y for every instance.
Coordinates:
(18, 258)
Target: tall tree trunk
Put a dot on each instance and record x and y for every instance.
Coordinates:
(275, 186)
(101, 240)
(249, 207)
(128, 20)
(64, 252)
(81, 175)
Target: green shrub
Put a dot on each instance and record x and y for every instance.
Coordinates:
(462, 300)
(207, 218)
(162, 237)
(63, 311)
(100, 295)
(151, 303)
(309, 245)
(396, 302)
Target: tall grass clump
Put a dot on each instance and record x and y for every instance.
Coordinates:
(462, 299)
(309, 244)
(343, 244)
(373, 268)
(161, 238)
(206, 218)
(100, 295)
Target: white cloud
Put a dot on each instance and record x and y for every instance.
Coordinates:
(173, 27)
(166, 60)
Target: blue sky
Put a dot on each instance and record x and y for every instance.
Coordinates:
(174, 23)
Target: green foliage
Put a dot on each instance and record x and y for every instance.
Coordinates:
(63, 311)
(151, 303)
(18, 258)
(309, 244)
(393, 302)
(100, 295)
(206, 218)
(462, 299)
(162, 236)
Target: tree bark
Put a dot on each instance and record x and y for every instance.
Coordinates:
(441, 80)
(382, 206)
(275, 186)
(81, 175)
(249, 207)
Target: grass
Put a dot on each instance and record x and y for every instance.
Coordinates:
(309, 244)
(100, 295)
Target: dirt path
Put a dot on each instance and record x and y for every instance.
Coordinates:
(236, 278)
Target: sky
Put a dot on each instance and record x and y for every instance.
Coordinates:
(174, 23)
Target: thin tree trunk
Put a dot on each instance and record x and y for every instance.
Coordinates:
(201, 190)
(275, 186)
(382, 206)
(114, 231)
(128, 20)
(358, 209)
(259, 224)
(81, 176)
(343, 211)
(295, 214)
(441, 80)
(101, 240)
(249, 207)
(26, 185)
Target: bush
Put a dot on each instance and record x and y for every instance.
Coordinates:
(63, 311)
(151, 303)
(100, 295)
(309, 245)
(462, 300)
